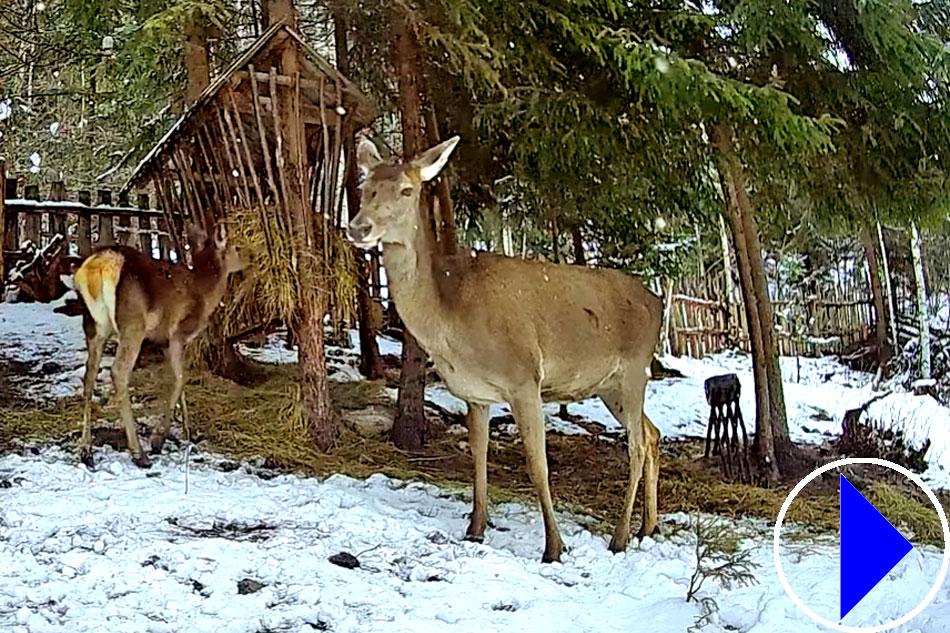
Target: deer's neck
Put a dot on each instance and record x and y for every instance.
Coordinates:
(210, 280)
(417, 280)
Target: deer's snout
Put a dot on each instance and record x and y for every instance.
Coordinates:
(359, 230)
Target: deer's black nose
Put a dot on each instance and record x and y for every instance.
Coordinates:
(359, 230)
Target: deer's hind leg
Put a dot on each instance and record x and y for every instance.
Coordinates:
(130, 343)
(625, 402)
(651, 478)
(96, 336)
(176, 363)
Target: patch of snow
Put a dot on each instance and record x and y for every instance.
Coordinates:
(117, 549)
(50, 346)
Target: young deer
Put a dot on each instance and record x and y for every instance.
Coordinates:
(126, 293)
(507, 330)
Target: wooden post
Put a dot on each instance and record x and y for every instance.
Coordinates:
(164, 241)
(108, 220)
(3, 222)
(11, 222)
(33, 220)
(84, 230)
(57, 221)
(145, 225)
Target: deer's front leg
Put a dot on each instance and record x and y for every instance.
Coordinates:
(530, 420)
(477, 422)
(176, 363)
(129, 345)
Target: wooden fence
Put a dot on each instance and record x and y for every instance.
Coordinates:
(806, 328)
(84, 224)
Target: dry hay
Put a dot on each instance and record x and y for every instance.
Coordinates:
(268, 290)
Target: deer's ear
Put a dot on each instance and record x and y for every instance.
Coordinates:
(432, 161)
(221, 236)
(367, 156)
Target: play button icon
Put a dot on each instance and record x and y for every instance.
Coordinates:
(870, 549)
(870, 546)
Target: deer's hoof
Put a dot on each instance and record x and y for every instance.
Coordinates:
(618, 544)
(85, 456)
(642, 534)
(551, 557)
(142, 461)
(157, 442)
(475, 538)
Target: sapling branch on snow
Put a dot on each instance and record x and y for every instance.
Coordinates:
(719, 557)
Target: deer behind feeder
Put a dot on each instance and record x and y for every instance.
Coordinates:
(127, 294)
(501, 329)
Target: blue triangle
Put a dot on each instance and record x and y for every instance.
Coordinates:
(870, 547)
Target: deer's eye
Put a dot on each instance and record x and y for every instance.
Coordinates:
(407, 191)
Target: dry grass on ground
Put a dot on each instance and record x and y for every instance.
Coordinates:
(587, 474)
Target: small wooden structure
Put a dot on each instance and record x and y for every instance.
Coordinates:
(228, 149)
(725, 422)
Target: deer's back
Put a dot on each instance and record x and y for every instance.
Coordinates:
(577, 326)
(156, 296)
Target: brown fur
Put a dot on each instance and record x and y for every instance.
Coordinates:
(156, 301)
(506, 330)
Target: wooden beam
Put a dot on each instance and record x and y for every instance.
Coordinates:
(311, 113)
(281, 79)
(84, 230)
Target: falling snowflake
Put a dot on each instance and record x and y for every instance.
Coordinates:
(5, 110)
(107, 43)
(35, 159)
(54, 129)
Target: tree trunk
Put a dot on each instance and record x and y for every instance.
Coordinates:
(370, 364)
(773, 369)
(749, 260)
(317, 413)
(579, 258)
(880, 319)
(445, 226)
(411, 429)
(922, 312)
(888, 288)
(729, 285)
(196, 59)
(3, 226)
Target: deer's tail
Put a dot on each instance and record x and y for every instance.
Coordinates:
(97, 280)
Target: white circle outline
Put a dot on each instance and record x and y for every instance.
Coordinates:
(849, 461)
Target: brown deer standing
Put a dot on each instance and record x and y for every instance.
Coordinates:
(507, 330)
(126, 293)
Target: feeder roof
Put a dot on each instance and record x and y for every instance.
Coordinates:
(317, 76)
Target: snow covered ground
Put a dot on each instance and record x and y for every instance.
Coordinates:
(817, 391)
(119, 549)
